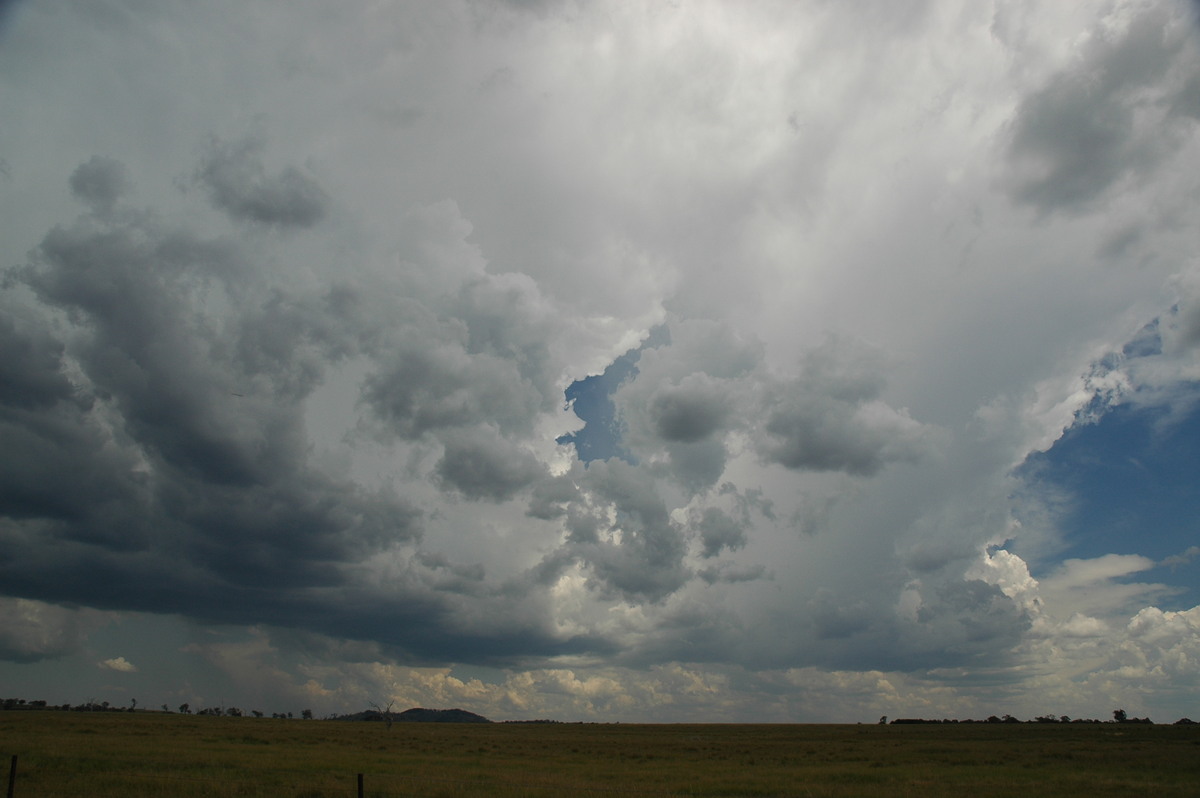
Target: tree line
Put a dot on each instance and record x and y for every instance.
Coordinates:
(1119, 716)
(91, 705)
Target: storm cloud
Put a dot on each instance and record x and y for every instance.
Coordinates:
(660, 362)
(238, 184)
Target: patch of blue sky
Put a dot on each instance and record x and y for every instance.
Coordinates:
(591, 399)
(1132, 479)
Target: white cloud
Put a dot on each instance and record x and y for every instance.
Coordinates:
(118, 664)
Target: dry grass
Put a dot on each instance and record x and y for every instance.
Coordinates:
(74, 754)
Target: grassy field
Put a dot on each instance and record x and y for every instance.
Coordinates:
(103, 754)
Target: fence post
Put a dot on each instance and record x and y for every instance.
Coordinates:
(360, 785)
(12, 776)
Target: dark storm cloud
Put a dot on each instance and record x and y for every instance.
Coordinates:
(127, 286)
(972, 618)
(718, 531)
(732, 574)
(30, 363)
(476, 359)
(706, 382)
(506, 321)
(290, 340)
(154, 458)
(60, 471)
(1112, 114)
(428, 385)
(481, 465)
(550, 497)
(620, 530)
(688, 412)
(836, 619)
(693, 385)
(697, 466)
(725, 525)
(156, 455)
(328, 404)
(238, 184)
(830, 417)
(100, 182)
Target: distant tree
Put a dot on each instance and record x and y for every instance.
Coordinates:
(386, 712)
(306, 714)
(256, 713)
(164, 707)
(184, 709)
(133, 705)
(1119, 715)
(233, 712)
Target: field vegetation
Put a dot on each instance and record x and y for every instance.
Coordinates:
(145, 753)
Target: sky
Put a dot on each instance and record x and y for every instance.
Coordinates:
(606, 361)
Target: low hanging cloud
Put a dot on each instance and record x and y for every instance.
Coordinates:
(32, 631)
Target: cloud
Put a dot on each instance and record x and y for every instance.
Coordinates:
(621, 530)
(329, 384)
(32, 631)
(688, 412)
(238, 184)
(480, 465)
(100, 182)
(718, 531)
(830, 418)
(1111, 114)
(119, 664)
(1182, 559)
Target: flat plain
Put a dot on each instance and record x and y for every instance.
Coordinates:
(144, 754)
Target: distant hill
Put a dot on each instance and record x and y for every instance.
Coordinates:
(420, 715)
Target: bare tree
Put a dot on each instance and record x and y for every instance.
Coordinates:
(385, 712)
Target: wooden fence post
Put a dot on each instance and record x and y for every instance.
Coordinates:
(360, 785)
(12, 776)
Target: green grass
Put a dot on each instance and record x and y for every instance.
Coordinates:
(110, 754)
